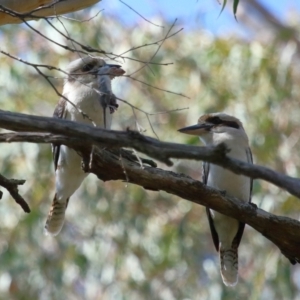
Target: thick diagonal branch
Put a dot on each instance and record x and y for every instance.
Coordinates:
(161, 151)
(282, 231)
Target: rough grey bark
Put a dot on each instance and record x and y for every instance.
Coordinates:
(284, 232)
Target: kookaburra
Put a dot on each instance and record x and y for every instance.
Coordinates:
(90, 101)
(227, 232)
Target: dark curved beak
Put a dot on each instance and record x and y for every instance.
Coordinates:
(197, 129)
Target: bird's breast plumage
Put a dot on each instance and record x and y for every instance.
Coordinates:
(87, 106)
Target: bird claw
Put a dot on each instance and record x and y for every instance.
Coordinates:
(223, 192)
(254, 206)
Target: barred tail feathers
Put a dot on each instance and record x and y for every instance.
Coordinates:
(229, 266)
(56, 217)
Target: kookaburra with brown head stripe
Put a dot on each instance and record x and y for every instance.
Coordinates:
(227, 232)
(90, 101)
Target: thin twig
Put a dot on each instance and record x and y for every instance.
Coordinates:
(42, 7)
(158, 48)
(67, 33)
(81, 21)
(52, 41)
(85, 49)
(123, 167)
(12, 187)
(167, 111)
(140, 14)
(152, 126)
(151, 44)
(157, 88)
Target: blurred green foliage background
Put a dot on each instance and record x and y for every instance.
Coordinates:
(123, 242)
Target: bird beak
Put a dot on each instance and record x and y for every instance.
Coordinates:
(115, 70)
(197, 129)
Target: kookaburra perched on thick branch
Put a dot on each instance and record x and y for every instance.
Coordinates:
(90, 101)
(226, 232)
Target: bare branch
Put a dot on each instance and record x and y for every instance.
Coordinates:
(158, 48)
(161, 151)
(151, 44)
(156, 88)
(12, 187)
(282, 231)
(81, 21)
(85, 49)
(140, 14)
(149, 113)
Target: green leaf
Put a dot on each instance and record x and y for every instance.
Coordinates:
(223, 6)
(235, 6)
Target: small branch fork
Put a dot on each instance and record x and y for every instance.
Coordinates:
(11, 185)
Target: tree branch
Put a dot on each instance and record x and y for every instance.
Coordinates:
(12, 187)
(161, 151)
(284, 232)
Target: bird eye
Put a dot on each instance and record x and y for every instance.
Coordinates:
(232, 124)
(214, 120)
(87, 67)
(217, 121)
